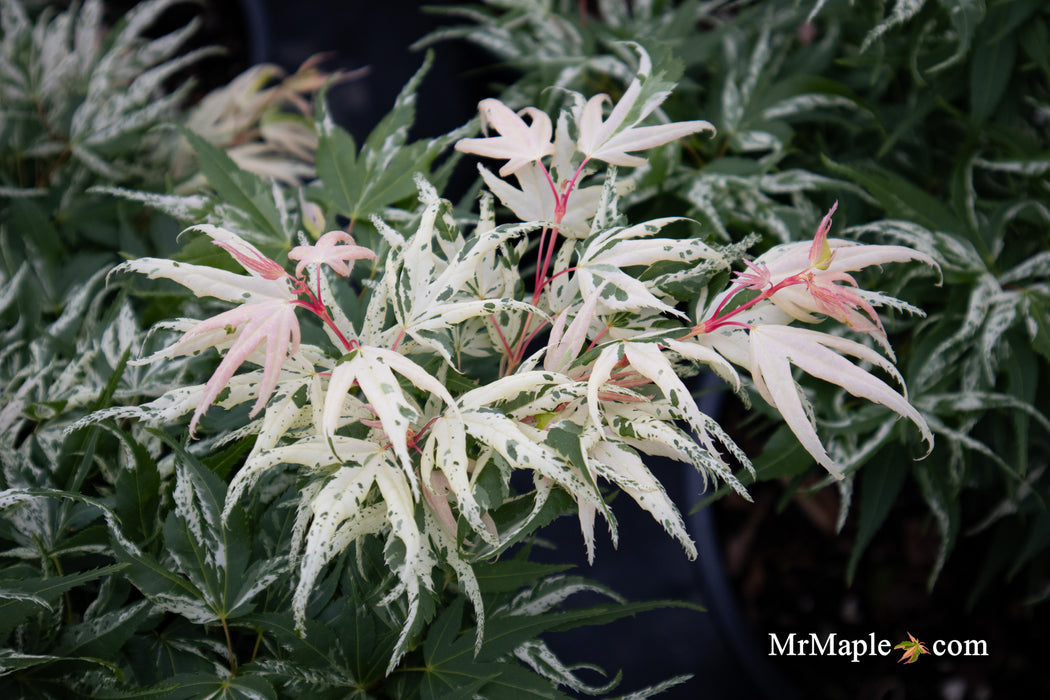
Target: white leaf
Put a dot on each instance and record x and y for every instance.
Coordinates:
(775, 348)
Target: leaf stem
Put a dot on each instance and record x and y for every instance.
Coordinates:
(229, 648)
(321, 312)
(598, 337)
(716, 321)
(318, 308)
(506, 345)
(548, 242)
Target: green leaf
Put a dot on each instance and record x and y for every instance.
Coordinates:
(1040, 319)
(318, 654)
(337, 166)
(899, 197)
(31, 222)
(1001, 553)
(104, 635)
(12, 661)
(782, 455)
(504, 634)
(881, 481)
(507, 576)
(1035, 39)
(611, 612)
(137, 498)
(943, 502)
(243, 686)
(510, 515)
(240, 188)
(990, 73)
(519, 683)
(1022, 373)
(903, 11)
(169, 590)
(176, 647)
(214, 577)
(384, 171)
(453, 673)
(965, 16)
(564, 438)
(1036, 540)
(223, 462)
(24, 596)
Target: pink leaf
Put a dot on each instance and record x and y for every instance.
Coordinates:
(270, 323)
(335, 249)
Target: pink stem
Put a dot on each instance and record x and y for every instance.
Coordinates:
(546, 262)
(525, 342)
(539, 262)
(716, 321)
(499, 331)
(543, 259)
(572, 182)
(596, 339)
(550, 181)
(558, 274)
(321, 312)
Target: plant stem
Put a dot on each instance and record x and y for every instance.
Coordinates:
(499, 331)
(717, 321)
(229, 648)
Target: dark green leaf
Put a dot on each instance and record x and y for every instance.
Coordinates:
(899, 197)
(1035, 39)
(1040, 317)
(337, 167)
(137, 498)
(943, 502)
(102, 636)
(965, 17)
(504, 634)
(238, 187)
(31, 222)
(507, 576)
(881, 481)
(990, 73)
(384, 171)
(25, 595)
(519, 683)
(222, 463)
(209, 685)
(451, 672)
(1036, 540)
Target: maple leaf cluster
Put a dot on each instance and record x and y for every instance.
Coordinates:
(413, 422)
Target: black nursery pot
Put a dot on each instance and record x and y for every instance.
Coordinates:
(376, 36)
(256, 22)
(749, 658)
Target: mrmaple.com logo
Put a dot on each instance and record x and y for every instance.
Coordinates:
(832, 645)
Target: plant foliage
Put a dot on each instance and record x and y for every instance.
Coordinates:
(306, 453)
